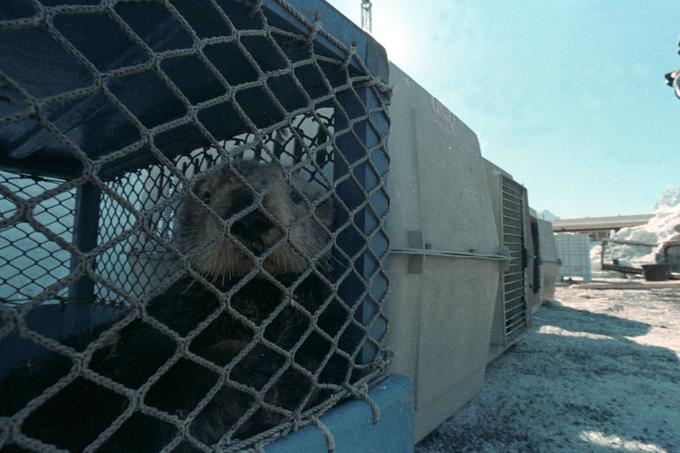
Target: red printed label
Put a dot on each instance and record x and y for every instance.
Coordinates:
(443, 116)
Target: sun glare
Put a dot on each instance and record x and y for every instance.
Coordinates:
(395, 36)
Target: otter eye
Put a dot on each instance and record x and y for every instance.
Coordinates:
(296, 198)
(206, 197)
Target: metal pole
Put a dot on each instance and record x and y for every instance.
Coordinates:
(86, 228)
(366, 15)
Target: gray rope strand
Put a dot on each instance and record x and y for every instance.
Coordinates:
(328, 435)
(361, 392)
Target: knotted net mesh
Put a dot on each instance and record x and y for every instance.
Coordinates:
(192, 213)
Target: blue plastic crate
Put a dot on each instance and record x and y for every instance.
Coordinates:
(91, 94)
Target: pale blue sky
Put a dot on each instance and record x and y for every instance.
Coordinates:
(568, 96)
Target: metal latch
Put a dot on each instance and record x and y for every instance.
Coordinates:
(418, 249)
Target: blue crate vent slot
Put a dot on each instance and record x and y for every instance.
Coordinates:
(158, 154)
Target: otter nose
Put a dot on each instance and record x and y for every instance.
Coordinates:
(241, 199)
(252, 227)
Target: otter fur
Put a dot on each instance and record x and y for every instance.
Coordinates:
(260, 203)
(235, 335)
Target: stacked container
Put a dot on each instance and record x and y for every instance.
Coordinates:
(550, 261)
(512, 314)
(534, 263)
(573, 251)
(445, 259)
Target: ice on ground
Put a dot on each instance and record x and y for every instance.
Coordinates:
(599, 371)
(662, 227)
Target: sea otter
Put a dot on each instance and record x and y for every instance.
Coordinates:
(262, 203)
(247, 345)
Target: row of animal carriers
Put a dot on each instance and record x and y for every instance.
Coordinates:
(469, 261)
(203, 204)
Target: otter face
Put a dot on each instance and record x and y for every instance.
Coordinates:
(266, 213)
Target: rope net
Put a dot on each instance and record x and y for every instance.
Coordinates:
(192, 210)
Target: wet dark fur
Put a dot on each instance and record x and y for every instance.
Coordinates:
(75, 416)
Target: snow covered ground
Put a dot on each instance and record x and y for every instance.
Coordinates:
(598, 371)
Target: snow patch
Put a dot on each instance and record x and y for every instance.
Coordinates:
(553, 330)
(597, 372)
(616, 442)
(662, 227)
